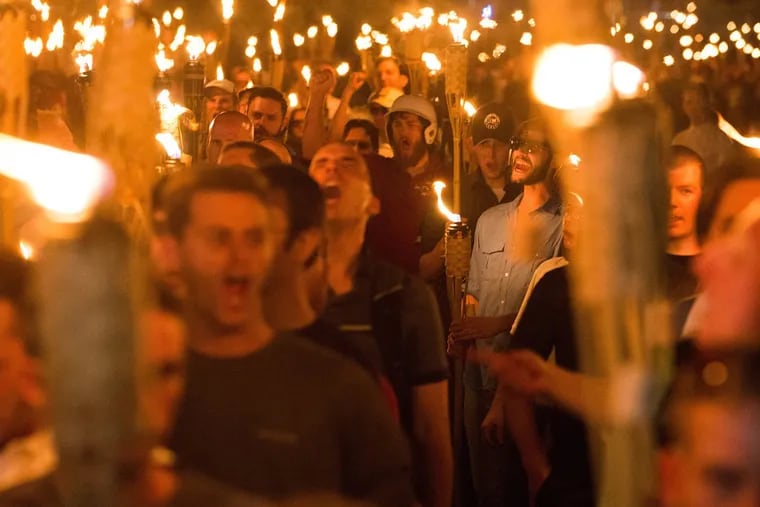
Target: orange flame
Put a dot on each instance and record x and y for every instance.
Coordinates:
(438, 186)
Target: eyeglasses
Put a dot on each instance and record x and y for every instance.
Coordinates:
(525, 146)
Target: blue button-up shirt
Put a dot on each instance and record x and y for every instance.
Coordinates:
(502, 264)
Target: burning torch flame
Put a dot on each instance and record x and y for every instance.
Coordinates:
(438, 186)
(298, 40)
(228, 9)
(84, 62)
(469, 108)
(26, 250)
(730, 131)
(274, 37)
(65, 183)
(293, 100)
(211, 47)
(55, 39)
(343, 68)
(432, 62)
(306, 73)
(257, 65)
(219, 72)
(43, 8)
(312, 32)
(279, 12)
(33, 47)
(386, 52)
(458, 28)
(363, 42)
(179, 38)
(195, 47)
(574, 159)
(162, 62)
(170, 145)
(332, 30)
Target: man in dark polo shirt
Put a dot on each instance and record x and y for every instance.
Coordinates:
(489, 184)
(390, 315)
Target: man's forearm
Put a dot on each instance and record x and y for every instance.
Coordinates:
(518, 411)
(341, 118)
(582, 394)
(314, 134)
(433, 442)
(431, 265)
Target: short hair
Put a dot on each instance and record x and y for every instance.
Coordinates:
(368, 127)
(678, 155)
(232, 179)
(271, 93)
(539, 124)
(305, 201)
(260, 156)
(403, 69)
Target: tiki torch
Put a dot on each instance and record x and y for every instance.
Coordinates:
(456, 90)
(194, 75)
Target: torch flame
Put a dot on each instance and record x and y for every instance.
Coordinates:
(275, 40)
(228, 9)
(170, 145)
(293, 100)
(363, 42)
(312, 31)
(211, 47)
(306, 73)
(257, 65)
(730, 131)
(65, 183)
(279, 12)
(26, 250)
(195, 47)
(438, 186)
(33, 47)
(179, 38)
(162, 62)
(298, 40)
(219, 72)
(55, 39)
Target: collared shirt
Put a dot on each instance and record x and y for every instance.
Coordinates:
(477, 196)
(502, 265)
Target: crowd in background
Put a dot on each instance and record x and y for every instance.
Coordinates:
(302, 348)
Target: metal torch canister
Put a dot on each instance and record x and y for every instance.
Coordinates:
(192, 91)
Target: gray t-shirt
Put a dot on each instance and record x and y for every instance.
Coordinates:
(289, 419)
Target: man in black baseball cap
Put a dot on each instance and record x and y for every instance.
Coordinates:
(489, 184)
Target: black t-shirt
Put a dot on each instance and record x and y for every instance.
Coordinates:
(292, 418)
(392, 321)
(546, 325)
(681, 281)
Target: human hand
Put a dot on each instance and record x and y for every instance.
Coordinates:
(476, 328)
(455, 349)
(355, 81)
(321, 83)
(522, 371)
(493, 424)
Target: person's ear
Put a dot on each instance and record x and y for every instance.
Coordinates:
(405, 80)
(373, 206)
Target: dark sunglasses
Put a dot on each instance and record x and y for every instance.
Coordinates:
(525, 146)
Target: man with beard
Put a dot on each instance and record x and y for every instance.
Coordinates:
(511, 241)
(267, 109)
(390, 315)
(267, 412)
(412, 130)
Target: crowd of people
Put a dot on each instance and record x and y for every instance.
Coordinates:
(301, 346)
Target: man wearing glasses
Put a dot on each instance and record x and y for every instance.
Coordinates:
(511, 240)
